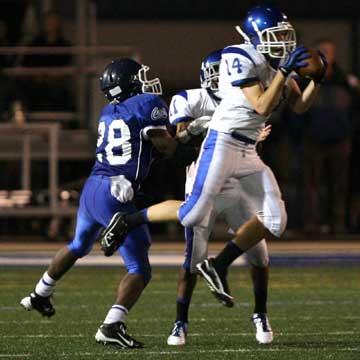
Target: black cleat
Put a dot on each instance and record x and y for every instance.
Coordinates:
(39, 303)
(114, 235)
(115, 334)
(217, 282)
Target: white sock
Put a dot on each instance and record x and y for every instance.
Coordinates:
(116, 313)
(45, 286)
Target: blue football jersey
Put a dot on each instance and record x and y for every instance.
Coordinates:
(123, 147)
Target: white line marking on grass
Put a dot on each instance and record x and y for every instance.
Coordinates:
(336, 333)
(14, 355)
(194, 320)
(186, 352)
(41, 336)
(214, 304)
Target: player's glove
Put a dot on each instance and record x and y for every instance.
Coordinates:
(195, 128)
(295, 60)
(321, 77)
(199, 125)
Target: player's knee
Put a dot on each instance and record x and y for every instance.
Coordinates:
(274, 219)
(260, 261)
(191, 215)
(194, 218)
(79, 249)
(190, 220)
(145, 271)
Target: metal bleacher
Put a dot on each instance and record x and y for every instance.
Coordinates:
(43, 141)
(44, 135)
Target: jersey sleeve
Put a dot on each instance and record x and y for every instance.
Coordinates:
(238, 66)
(155, 115)
(180, 108)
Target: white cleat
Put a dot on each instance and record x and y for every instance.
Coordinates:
(26, 303)
(178, 334)
(264, 333)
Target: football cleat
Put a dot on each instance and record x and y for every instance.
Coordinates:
(114, 235)
(178, 333)
(39, 303)
(116, 334)
(264, 333)
(216, 282)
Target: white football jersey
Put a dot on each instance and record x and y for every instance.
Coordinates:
(188, 105)
(240, 64)
(191, 104)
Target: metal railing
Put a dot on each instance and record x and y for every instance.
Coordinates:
(87, 64)
(25, 132)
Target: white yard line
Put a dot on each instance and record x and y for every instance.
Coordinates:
(331, 333)
(160, 320)
(186, 352)
(215, 304)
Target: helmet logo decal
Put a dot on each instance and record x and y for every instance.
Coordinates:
(115, 91)
(157, 113)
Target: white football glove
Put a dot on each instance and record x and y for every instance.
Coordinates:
(121, 189)
(199, 125)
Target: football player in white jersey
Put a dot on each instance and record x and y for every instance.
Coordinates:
(254, 79)
(184, 108)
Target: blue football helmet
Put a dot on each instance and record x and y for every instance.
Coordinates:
(209, 73)
(269, 30)
(124, 78)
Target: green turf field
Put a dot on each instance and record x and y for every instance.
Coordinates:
(314, 312)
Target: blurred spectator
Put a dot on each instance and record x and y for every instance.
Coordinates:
(327, 150)
(354, 209)
(50, 35)
(53, 92)
(6, 88)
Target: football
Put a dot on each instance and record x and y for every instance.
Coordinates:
(314, 68)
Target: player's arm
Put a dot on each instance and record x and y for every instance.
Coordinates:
(300, 101)
(184, 154)
(265, 101)
(187, 131)
(182, 134)
(265, 132)
(242, 72)
(184, 116)
(162, 141)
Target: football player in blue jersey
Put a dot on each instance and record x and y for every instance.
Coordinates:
(130, 127)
